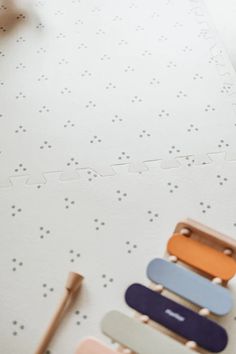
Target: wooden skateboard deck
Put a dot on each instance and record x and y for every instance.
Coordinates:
(177, 318)
(191, 286)
(202, 257)
(138, 337)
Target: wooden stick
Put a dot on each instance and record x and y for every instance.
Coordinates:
(73, 284)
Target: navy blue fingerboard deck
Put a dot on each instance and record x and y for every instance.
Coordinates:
(177, 318)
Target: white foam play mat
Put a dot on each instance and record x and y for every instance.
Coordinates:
(117, 119)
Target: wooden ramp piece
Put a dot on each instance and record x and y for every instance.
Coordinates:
(202, 257)
(93, 346)
(138, 337)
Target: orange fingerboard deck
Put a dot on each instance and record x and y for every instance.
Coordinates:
(202, 257)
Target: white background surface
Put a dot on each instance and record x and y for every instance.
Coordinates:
(99, 189)
(223, 14)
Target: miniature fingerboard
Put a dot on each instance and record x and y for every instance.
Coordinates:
(190, 286)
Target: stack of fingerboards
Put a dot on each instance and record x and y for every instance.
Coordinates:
(187, 299)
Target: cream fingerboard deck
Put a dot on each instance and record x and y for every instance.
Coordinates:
(137, 336)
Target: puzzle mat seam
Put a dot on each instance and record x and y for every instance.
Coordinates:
(146, 167)
(222, 62)
(218, 51)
